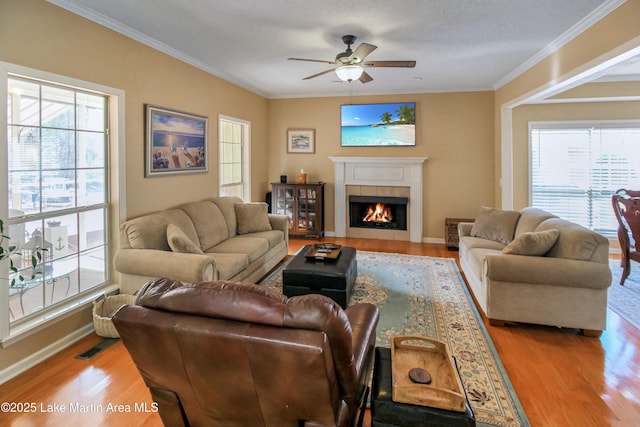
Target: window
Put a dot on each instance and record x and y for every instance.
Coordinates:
(576, 167)
(233, 148)
(57, 194)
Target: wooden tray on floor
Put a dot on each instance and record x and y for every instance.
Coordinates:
(445, 390)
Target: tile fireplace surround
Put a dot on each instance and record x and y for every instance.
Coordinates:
(379, 171)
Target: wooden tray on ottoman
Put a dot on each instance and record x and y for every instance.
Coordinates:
(323, 251)
(445, 390)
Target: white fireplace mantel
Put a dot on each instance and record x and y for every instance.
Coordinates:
(379, 171)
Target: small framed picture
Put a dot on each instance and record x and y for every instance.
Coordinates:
(301, 141)
(176, 142)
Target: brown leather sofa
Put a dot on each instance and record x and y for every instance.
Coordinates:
(235, 354)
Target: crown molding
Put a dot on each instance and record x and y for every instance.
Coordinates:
(127, 31)
(573, 32)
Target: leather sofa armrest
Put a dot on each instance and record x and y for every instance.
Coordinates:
(547, 271)
(155, 263)
(363, 318)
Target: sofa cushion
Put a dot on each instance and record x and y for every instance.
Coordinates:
(477, 242)
(150, 231)
(576, 241)
(533, 243)
(228, 265)
(530, 218)
(252, 247)
(180, 242)
(208, 221)
(227, 207)
(495, 224)
(274, 237)
(252, 217)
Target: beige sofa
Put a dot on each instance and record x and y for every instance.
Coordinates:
(530, 266)
(217, 239)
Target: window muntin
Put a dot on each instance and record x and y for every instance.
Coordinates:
(233, 138)
(57, 192)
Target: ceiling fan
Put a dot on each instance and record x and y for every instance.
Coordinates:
(351, 63)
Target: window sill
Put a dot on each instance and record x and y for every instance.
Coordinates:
(49, 317)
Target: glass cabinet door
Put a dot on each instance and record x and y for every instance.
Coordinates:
(303, 204)
(284, 203)
(306, 209)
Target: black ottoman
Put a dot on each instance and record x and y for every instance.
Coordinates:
(331, 278)
(387, 413)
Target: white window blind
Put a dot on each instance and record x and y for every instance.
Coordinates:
(576, 167)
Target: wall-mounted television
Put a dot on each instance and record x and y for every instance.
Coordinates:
(378, 125)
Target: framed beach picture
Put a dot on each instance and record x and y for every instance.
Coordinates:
(176, 142)
(301, 141)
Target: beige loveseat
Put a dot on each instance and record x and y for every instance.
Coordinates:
(530, 266)
(217, 239)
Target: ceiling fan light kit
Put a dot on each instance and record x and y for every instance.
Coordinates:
(349, 73)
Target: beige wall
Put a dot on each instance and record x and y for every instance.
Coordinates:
(600, 90)
(619, 28)
(36, 34)
(612, 36)
(51, 39)
(454, 130)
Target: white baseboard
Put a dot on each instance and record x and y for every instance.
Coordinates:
(44, 353)
(424, 239)
(436, 240)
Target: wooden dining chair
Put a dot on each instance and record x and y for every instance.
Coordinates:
(626, 206)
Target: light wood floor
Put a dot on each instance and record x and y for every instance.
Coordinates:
(561, 377)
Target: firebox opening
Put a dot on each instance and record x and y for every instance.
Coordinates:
(378, 212)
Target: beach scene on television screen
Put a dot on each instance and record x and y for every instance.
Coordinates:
(378, 125)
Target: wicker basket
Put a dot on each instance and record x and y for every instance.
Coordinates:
(103, 308)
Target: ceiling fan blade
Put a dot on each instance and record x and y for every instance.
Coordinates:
(318, 74)
(365, 78)
(403, 64)
(361, 52)
(312, 60)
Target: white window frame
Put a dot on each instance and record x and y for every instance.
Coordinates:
(246, 149)
(10, 334)
(576, 124)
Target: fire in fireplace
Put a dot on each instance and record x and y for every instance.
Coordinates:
(378, 212)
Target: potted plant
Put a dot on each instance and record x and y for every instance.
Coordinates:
(7, 250)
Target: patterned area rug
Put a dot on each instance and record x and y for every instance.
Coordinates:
(625, 300)
(427, 297)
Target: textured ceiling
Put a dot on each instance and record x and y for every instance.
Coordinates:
(461, 45)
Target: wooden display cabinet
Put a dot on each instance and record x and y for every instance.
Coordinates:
(303, 204)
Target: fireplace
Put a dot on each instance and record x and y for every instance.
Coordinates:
(387, 213)
(380, 177)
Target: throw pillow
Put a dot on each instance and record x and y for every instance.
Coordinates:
(533, 243)
(180, 242)
(495, 224)
(252, 217)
